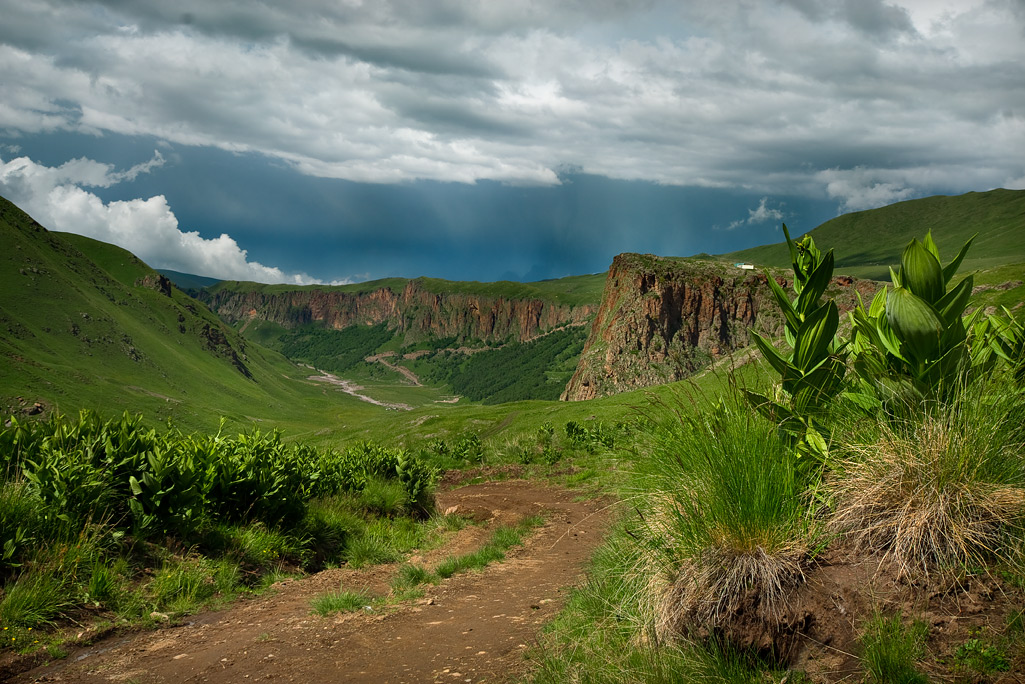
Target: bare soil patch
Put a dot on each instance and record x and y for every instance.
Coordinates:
(844, 589)
(473, 627)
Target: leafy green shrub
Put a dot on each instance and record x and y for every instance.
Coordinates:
(599, 435)
(911, 342)
(418, 479)
(812, 374)
(469, 448)
(978, 657)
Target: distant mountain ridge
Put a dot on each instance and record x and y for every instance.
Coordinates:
(867, 243)
(84, 323)
(416, 311)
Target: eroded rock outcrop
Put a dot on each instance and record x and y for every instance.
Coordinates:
(411, 310)
(662, 319)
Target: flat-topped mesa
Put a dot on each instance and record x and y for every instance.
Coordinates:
(412, 310)
(662, 319)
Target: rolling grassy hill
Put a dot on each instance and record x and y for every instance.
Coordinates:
(867, 243)
(84, 324)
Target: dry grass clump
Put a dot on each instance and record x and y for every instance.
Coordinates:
(728, 525)
(724, 591)
(944, 490)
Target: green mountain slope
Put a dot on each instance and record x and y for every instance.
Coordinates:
(84, 324)
(866, 243)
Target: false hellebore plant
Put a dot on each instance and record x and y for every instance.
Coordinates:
(812, 374)
(911, 342)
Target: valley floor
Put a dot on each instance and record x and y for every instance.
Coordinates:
(473, 627)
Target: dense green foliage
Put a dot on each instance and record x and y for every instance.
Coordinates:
(333, 350)
(538, 369)
(82, 501)
(812, 373)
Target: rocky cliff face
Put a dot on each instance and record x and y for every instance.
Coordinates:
(661, 319)
(413, 311)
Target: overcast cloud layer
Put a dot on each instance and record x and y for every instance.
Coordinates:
(858, 102)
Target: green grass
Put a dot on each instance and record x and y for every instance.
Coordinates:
(502, 539)
(341, 602)
(866, 243)
(893, 649)
(726, 511)
(410, 575)
(79, 332)
(942, 486)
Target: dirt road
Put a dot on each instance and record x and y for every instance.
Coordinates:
(473, 627)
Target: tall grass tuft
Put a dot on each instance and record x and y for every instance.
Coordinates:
(730, 515)
(941, 487)
(891, 650)
(340, 602)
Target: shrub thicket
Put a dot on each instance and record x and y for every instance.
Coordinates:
(77, 495)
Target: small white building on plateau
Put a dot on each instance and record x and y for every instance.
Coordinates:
(746, 267)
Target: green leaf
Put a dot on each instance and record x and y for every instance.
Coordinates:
(865, 402)
(878, 303)
(817, 283)
(816, 442)
(780, 364)
(950, 269)
(793, 253)
(914, 322)
(895, 277)
(921, 272)
(931, 246)
(134, 484)
(952, 305)
(784, 303)
(815, 336)
(818, 386)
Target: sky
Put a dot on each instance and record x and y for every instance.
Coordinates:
(336, 141)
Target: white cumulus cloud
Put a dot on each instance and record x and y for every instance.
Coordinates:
(55, 196)
(760, 214)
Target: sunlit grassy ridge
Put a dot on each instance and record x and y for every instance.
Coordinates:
(868, 242)
(81, 330)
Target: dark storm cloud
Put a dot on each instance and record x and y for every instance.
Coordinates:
(855, 103)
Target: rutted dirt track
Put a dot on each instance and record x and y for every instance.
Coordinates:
(473, 627)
